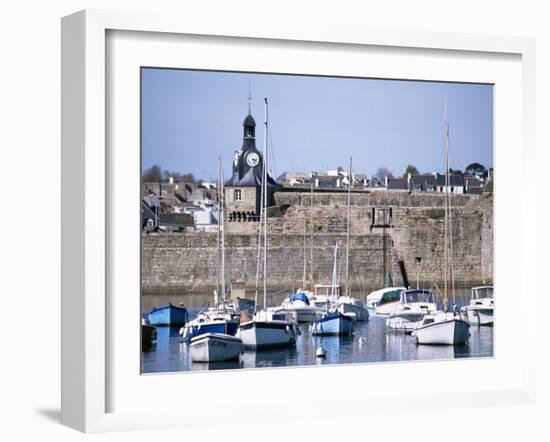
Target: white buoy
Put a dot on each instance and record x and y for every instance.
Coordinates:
(321, 353)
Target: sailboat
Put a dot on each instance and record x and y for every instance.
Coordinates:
(347, 304)
(268, 328)
(443, 327)
(220, 319)
(333, 321)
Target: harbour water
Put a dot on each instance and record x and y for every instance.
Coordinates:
(371, 342)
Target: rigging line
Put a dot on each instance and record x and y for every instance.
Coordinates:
(272, 154)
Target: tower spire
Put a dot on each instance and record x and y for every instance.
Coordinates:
(249, 98)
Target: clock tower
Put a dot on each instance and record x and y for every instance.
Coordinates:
(243, 189)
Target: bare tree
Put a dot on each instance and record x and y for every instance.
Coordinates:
(152, 175)
(383, 172)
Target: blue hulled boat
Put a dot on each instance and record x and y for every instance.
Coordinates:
(168, 315)
(332, 323)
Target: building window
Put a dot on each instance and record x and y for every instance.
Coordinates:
(238, 195)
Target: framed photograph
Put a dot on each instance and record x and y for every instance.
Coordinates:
(290, 209)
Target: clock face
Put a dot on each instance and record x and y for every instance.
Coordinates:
(252, 159)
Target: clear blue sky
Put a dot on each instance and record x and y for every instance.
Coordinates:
(316, 123)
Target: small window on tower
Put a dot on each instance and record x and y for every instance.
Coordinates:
(238, 195)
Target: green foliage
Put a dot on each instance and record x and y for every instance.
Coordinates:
(489, 186)
(476, 168)
(412, 170)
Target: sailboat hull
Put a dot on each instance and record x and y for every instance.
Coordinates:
(445, 332)
(267, 334)
(335, 324)
(215, 347)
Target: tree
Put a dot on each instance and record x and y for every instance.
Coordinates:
(412, 170)
(455, 171)
(153, 174)
(476, 169)
(383, 172)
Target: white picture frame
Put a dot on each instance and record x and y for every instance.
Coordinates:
(87, 210)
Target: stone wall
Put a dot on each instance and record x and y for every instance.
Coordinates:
(186, 262)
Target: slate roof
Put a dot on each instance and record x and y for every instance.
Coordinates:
(398, 184)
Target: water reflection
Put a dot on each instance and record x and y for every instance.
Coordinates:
(371, 342)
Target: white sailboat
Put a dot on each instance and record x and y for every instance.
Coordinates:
(347, 304)
(221, 320)
(481, 309)
(443, 328)
(332, 321)
(268, 328)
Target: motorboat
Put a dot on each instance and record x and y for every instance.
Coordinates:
(321, 296)
(481, 309)
(215, 347)
(412, 307)
(298, 304)
(442, 328)
(388, 301)
(354, 307)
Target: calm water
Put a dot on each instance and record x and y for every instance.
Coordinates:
(371, 342)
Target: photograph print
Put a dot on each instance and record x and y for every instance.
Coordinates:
(301, 220)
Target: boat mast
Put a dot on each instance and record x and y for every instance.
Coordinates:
(311, 237)
(265, 206)
(334, 278)
(222, 222)
(445, 256)
(347, 230)
(218, 187)
(305, 259)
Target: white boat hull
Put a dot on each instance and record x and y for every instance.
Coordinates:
(403, 322)
(215, 347)
(444, 332)
(361, 313)
(267, 334)
(479, 316)
(387, 309)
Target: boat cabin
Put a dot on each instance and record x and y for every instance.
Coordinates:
(326, 290)
(483, 292)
